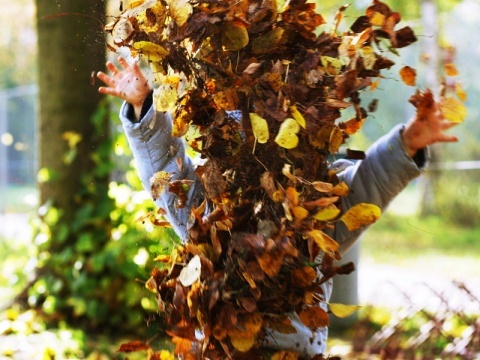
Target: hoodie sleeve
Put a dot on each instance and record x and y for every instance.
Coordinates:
(155, 149)
(381, 176)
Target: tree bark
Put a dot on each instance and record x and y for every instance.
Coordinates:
(70, 47)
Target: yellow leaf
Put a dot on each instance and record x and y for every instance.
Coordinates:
(226, 99)
(324, 242)
(342, 310)
(378, 19)
(341, 189)
(451, 69)
(191, 273)
(243, 343)
(298, 116)
(259, 128)
(180, 10)
(162, 258)
(328, 213)
(408, 75)
(331, 64)
(369, 57)
(292, 195)
(361, 214)
(165, 97)
(460, 92)
(234, 37)
(286, 136)
(153, 52)
(336, 140)
(453, 109)
(145, 22)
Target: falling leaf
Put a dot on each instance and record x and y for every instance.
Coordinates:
(327, 213)
(242, 343)
(191, 272)
(182, 345)
(322, 186)
(286, 136)
(133, 346)
(324, 242)
(165, 97)
(336, 140)
(342, 310)
(298, 116)
(152, 52)
(353, 125)
(303, 277)
(378, 19)
(408, 75)
(453, 109)
(360, 215)
(369, 57)
(259, 128)
(451, 69)
(314, 317)
(234, 37)
(341, 189)
(267, 42)
(300, 213)
(332, 65)
(180, 10)
(460, 92)
(158, 182)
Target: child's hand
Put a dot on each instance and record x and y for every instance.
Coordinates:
(426, 130)
(127, 83)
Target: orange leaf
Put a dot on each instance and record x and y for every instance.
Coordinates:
(182, 345)
(408, 75)
(353, 125)
(460, 92)
(314, 317)
(285, 355)
(451, 70)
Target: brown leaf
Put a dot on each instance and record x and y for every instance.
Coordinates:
(303, 277)
(133, 346)
(314, 317)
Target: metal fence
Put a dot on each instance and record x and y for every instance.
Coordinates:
(18, 155)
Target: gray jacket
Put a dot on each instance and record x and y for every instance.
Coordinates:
(377, 179)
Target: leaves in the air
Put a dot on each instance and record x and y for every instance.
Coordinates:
(342, 310)
(360, 215)
(453, 109)
(408, 75)
(233, 74)
(287, 134)
(133, 346)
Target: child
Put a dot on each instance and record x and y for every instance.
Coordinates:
(390, 164)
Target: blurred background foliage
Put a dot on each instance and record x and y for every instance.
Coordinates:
(105, 270)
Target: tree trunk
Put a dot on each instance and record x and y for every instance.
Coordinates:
(71, 46)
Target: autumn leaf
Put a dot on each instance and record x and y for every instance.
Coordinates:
(298, 116)
(327, 213)
(158, 182)
(408, 75)
(314, 317)
(180, 10)
(360, 215)
(259, 128)
(304, 276)
(133, 346)
(460, 92)
(453, 110)
(451, 69)
(352, 126)
(324, 242)
(285, 355)
(234, 37)
(165, 97)
(191, 273)
(336, 140)
(152, 52)
(267, 42)
(286, 136)
(182, 345)
(342, 310)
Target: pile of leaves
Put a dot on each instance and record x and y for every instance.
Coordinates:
(264, 91)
